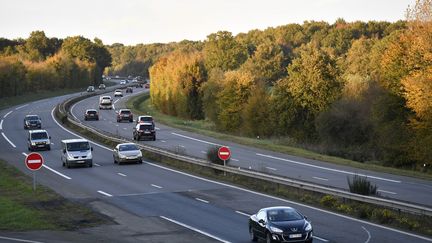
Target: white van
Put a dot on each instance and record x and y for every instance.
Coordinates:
(76, 152)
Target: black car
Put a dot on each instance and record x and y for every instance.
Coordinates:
(129, 90)
(144, 130)
(91, 114)
(32, 121)
(280, 224)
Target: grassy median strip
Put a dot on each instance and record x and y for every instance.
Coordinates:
(22, 209)
(141, 105)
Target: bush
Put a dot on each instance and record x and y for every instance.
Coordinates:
(383, 216)
(361, 185)
(328, 201)
(212, 155)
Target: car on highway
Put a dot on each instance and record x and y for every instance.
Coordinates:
(123, 82)
(105, 102)
(127, 153)
(144, 130)
(147, 86)
(118, 93)
(102, 86)
(124, 114)
(145, 118)
(280, 224)
(38, 139)
(90, 89)
(76, 152)
(129, 90)
(91, 114)
(32, 121)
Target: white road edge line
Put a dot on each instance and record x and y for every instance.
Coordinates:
(7, 139)
(195, 229)
(201, 200)
(389, 192)
(369, 235)
(121, 174)
(58, 173)
(97, 164)
(7, 114)
(153, 185)
(1, 124)
(198, 140)
(19, 240)
(271, 168)
(325, 168)
(295, 203)
(19, 107)
(244, 214)
(320, 178)
(72, 110)
(319, 238)
(105, 194)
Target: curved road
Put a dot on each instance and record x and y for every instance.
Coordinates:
(214, 209)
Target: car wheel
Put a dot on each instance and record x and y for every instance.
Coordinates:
(63, 164)
(131, 120)
(49, 147)
(118, 120)
(252, 235)
(85, 118)
(67, 164)
(154, 138)
(90, 164)
(29, 149)
(268, 238)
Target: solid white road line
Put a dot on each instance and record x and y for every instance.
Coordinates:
(320, 178)
(201, 200)
(325, 168)
(389, 192)
(105, 194)
(97, 164)
(7, 114)
(369, 235)
(198, 140)
(116, 101)
(58, 173)
(163, 141)
(24, 154)
(19, 107)
(203, 152)
(295, 203)
(7, 139)
(157, 128)
(72, 110)
(319, 238)
(194, 229)
(244, 214)
(271, 168)
(153, 185)
(121, 174)
(1, 124)
(18, 240)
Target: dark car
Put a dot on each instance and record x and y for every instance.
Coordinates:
(91, 114)
(124, 114)
(129, 90)
(280, 224)
(144, 130)
(32, 121)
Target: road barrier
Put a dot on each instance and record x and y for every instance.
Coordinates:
(64, 107)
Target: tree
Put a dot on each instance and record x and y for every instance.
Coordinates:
(222, 51)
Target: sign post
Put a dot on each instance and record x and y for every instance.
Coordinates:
(34, 162)
(224, 154)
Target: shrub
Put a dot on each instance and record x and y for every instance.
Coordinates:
(361, 185)
(345, 208)
(383, 216)
(328, 201)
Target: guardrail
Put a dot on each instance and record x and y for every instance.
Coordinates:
(398, 205)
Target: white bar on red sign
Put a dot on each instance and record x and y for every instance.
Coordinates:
(34, 161)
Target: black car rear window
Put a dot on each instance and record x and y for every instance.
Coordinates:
(39, 135)
(91, 112)
(32, 118)
(276, 215)
(146, 127)
(125, 112)
(146, 118)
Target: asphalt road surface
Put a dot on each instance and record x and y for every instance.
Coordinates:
(216, 210)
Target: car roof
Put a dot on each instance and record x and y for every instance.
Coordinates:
(145, 123)
(31, 115)
(120, 144)
(124, 110)
(118, 90)
(106, 96)
(74, 140)
(91, 110)
(38, 131)
(145, 116)
(278, 207)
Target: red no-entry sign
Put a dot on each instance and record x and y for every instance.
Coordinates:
(224, 153)
(34, 161)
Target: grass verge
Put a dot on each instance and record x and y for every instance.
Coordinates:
(142, 105)
(22, 209)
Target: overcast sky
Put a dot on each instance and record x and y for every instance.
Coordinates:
(147, 21)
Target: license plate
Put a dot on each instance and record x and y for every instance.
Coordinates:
(132, 157)
(41, 145)
(295, 236)
(80, 161)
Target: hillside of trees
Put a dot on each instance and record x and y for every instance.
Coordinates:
(358, 90)
(39, 63)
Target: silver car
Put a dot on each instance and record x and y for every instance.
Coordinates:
(127, 152)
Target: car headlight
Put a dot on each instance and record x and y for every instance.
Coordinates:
(121, 156)
(33, 144)
(139, 154)
(275, 230)
(308, 227)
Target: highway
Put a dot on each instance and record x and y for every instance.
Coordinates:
(389, 186)
(211, 208)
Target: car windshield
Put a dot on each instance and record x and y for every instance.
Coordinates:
(146, 127)
(125, 112)
(91, 112)
(32, 118)
(276, 215)
(39, 135)
(128, 147)
(146, 118)
(78, 146)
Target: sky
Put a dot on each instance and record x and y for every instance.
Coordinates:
(133, 22)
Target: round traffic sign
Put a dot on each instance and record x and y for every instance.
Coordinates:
(34, 161)
(224, 153)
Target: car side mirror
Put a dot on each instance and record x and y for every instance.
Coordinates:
(64, 151)
(305, 217)
(49, 137)
(91, 148)
(261, 221)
